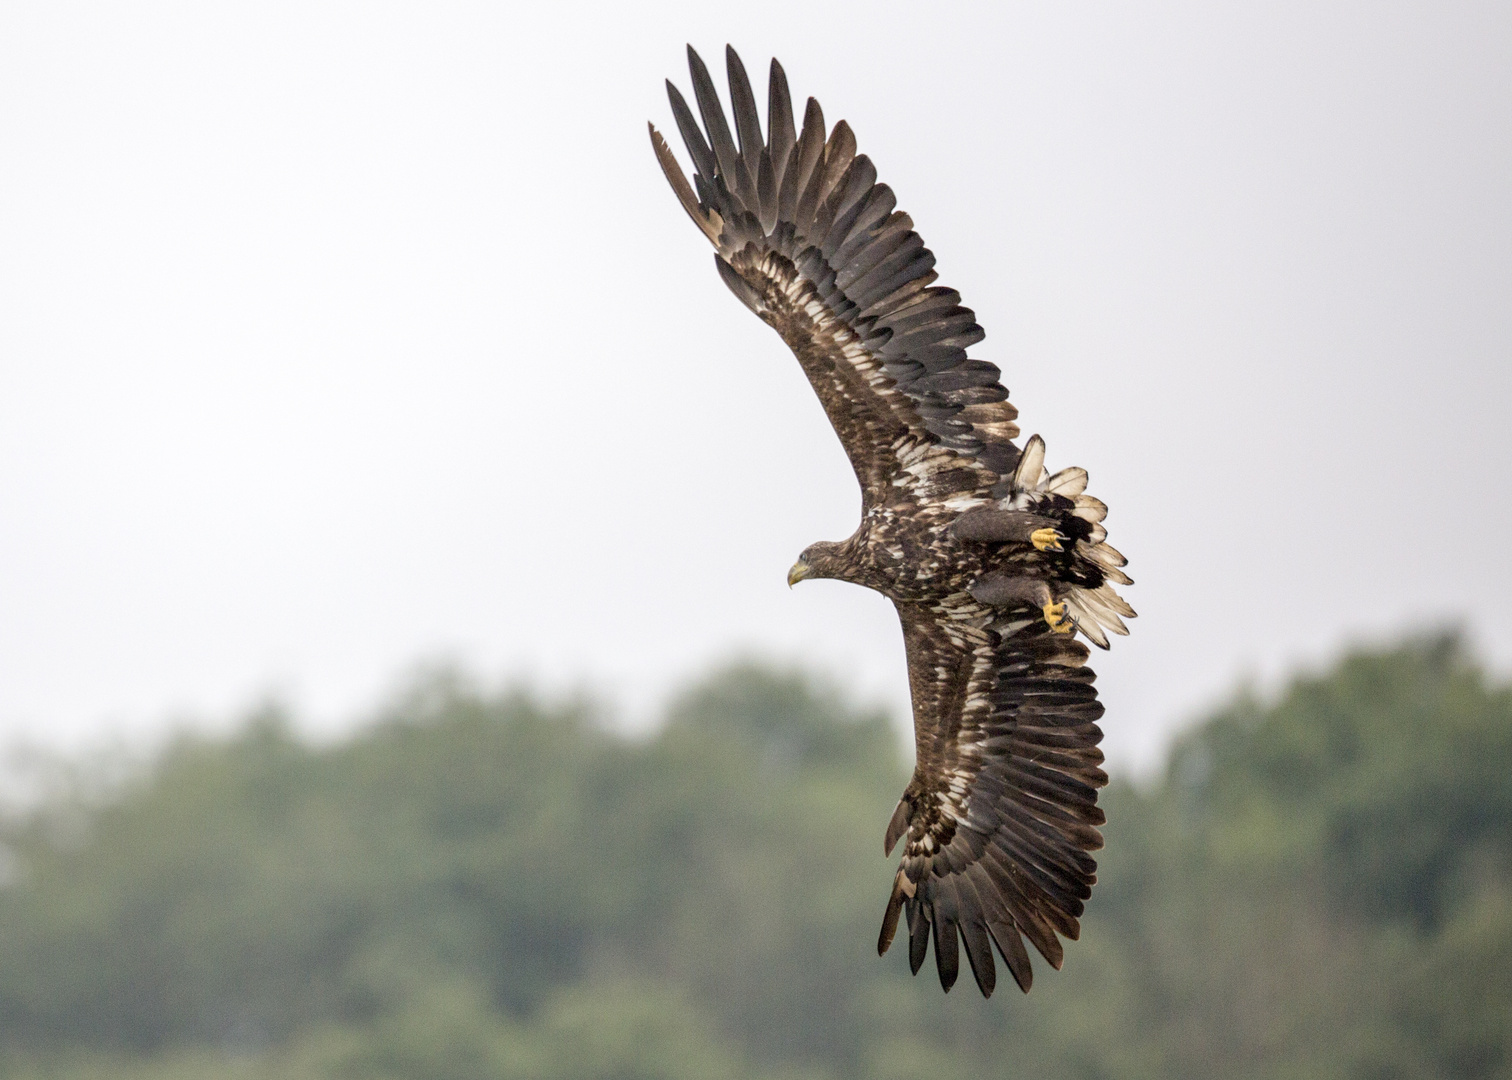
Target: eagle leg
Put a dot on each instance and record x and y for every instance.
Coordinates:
(1007, 591)
(1012, 590)
(989, 525)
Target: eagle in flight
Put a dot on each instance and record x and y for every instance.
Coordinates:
(994, 565)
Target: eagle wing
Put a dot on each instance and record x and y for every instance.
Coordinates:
(1002, 808)
(807, 238)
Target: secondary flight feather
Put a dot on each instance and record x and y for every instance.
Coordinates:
(994, 565)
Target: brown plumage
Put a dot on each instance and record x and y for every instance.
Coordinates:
(993, 565)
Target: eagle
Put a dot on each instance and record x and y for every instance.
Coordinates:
(994, 565)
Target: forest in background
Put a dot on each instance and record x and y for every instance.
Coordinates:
(1319, 884)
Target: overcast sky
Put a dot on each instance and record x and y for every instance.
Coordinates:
(341, 337)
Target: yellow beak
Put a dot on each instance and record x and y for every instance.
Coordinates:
(799, 571)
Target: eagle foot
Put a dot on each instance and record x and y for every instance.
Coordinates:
(1047, 539)
(1059, 621)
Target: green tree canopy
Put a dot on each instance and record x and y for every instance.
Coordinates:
(476, 885)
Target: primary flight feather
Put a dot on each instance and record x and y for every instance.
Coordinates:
(993, 565)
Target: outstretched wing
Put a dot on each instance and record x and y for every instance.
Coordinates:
(807, 238)
(1002, 808)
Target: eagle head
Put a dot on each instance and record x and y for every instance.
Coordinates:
(821, 560)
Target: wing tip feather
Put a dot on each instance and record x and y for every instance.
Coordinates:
(708, 223)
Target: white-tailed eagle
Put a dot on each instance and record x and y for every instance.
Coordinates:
(993, 565)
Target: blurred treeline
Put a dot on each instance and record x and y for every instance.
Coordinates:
(493, 887)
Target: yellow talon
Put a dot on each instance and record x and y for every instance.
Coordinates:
(1060, 622)
(1046, 539)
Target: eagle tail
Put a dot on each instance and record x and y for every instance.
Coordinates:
(1084, 567)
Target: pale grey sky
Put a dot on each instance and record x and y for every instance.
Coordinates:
(336, 337)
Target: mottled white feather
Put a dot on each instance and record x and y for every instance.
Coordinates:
(1031, 465)
(1068, 482)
